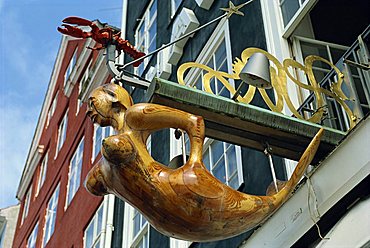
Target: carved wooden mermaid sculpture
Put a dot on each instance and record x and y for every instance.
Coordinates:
(186, 203)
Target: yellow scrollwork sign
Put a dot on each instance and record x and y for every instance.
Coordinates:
(279, 78)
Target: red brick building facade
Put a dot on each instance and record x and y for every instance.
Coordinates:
(55, 207)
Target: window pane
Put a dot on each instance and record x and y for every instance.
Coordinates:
(33, 237)
(143, 220)
(234, 182)
(199, 83)
(231, 160)
(51, 212)
(213, 85)
(137, 226)
(336, 54)
(225, 92)
(288, 9)
(315, 49)
(210, 63)
(92, 233)
(100, 220)
(97, 140)
(176, 4)
(152, 37)
(75, 172)
(220, 86)
(220, 54)
(206, 160)
(44, 168)
(97, 245)
(153, 10)
(89, 235)
(217, 149)
(219, 170)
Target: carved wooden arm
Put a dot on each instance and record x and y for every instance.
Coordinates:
(152, 117)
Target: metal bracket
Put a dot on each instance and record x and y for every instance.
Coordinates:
(118, 76)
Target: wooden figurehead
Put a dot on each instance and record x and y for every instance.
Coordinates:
(186, 203)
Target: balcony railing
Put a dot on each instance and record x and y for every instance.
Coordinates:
(354, 64)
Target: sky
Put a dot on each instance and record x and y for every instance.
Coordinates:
(29, 43)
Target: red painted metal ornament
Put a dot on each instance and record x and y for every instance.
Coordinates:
(103, 36)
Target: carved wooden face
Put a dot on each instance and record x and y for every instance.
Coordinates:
(107, 103)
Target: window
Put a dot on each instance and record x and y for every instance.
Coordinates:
(146, 33)
(217, 61)
(83, 82)
(42, 173)
(138, 236)
(94, 230)
(52, 109)
(26, 205)
(222, 159)
(289, 8)
(69, 69)
(140, 231)
(293, 11)
(175, 4)
(306, 46)
(31, 243)
(51, 213)
(62, 132)
(74, 175)
(79, 101)
(100, 133)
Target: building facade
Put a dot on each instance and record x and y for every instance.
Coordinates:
(8, 221)
(57, 211)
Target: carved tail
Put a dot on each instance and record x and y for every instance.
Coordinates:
(305, 160)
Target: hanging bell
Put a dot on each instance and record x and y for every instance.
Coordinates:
(256, 71)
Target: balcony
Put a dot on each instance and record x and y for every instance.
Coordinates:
(354, 65)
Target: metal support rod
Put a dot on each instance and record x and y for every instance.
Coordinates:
(365, 67)
(267, 152)
(238, 91)
(183, 146)
(173, 42)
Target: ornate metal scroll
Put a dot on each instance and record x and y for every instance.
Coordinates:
(279, 75)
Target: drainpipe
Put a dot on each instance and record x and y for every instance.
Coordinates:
(123, 26)
(109, 214)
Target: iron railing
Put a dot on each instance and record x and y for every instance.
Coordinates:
(355, 66)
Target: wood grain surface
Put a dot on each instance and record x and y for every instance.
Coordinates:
(187, 203)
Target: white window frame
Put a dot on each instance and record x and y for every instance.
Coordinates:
(178, 243)
(97, 234)
(84, 79)
(175, 4)
(52, 108)
(129, 240)
(220, 34)
(71, 65)
(62, 133)
(32, 239)
(51, 213)
(74, 174)
(304, 9)
(142, 43)
(105, 132)
(297, 50)
(26, 205)
(42, 173)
